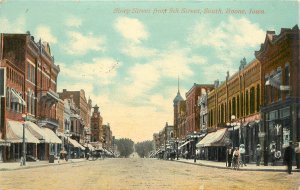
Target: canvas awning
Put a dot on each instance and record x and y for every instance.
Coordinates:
(183, 145)
(218, 138)
(89, 146)
(35, 130)
(4, 143)
(75, 144)
(51, 137)
(14, 133)
(15, 97)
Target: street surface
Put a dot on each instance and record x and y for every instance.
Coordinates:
(136, 173)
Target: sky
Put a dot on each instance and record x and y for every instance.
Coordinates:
(128, 55)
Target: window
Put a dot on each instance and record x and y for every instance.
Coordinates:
(28, 71)
(279, 75)
(247, 102)
(258, 98)
(266, 90)
(222, 113)
(242, 104)
(287, 76)
(238, 106)
(234, 106)
(229, 110)
(7, 98)
(252, 100)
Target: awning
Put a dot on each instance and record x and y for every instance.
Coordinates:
(218, 138)
(14, 133)
(15, 97)
(183, 145)
(89, 146)
(75, 144)
(51, 137)
(35, 130)
(4, 143)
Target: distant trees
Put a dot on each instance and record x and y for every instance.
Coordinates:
(144, 148)
(125, 146)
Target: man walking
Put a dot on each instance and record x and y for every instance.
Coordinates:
(258, 154)
(288, 157)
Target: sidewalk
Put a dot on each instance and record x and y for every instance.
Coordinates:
(16, 165)
(249, 167)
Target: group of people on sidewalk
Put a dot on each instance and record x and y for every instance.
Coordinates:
(235, 157)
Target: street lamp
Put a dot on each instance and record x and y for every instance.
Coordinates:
(177, 141)
(232, 124)
(67, 133)
(23, 161)
(194, 137)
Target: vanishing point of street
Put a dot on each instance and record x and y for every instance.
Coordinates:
(138, 173)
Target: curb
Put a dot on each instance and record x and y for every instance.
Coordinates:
(40, 166)
(240, 169)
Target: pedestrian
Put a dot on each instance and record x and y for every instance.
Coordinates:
(258, 154)
(242, 152)
(236, 158)
(297, 151)
(288, 157)
(272, 154)
(229, 155)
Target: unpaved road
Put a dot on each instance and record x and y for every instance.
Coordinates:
(139, 174)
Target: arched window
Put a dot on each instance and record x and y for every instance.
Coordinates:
(238, 106)
(258, 98)
(287, 76)
(32, 104)
(247, 102)
(234, 106)
(229, 110)
(8, 98)
(242, 105)
(252, 100)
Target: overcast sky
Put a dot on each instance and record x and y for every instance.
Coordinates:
(128, 63)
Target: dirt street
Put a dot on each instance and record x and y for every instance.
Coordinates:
(136, 173)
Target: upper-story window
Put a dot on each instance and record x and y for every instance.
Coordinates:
(287, 76)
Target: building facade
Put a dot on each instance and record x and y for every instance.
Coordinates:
(31, 91)
(97, 132)
(280, 68)
(84, 110)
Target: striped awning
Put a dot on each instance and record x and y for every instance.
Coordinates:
(51, 137)
(75, 144)
(15, 97)
(14, 133)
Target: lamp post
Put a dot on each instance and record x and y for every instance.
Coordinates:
(68, 149)
(23, 163)
(177, 141)
(232, 124)
(194, 137)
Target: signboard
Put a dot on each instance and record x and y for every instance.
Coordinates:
(285, 88)
(2, 81)
(286, 137)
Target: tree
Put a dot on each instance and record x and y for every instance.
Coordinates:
(144, 148)
(125, 146)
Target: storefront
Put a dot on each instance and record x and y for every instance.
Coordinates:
(213, 145)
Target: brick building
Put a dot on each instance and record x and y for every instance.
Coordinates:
(31, 90)
(235, 104)
(192, 109)
(107, 136)
(97, 132)
(84, 111)
(280, 68)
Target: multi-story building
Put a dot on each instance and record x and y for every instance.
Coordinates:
(182, 127)
(280, 68)
(234, 104)
(176, 103)
(107, 136)
(84, 110)
(156, 141)
(192, 110)
(96, 126)
(31, 90)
